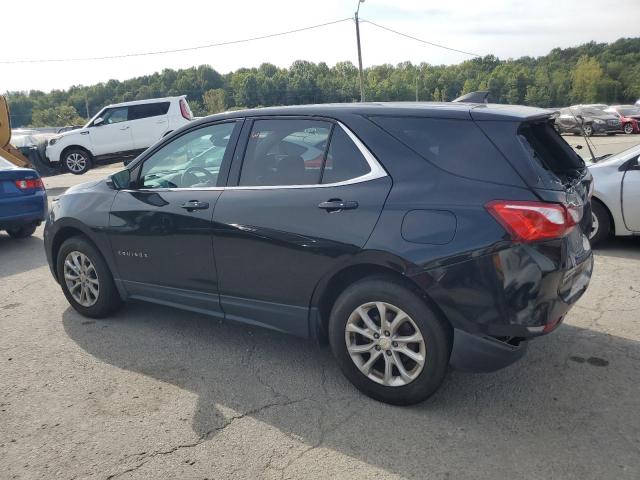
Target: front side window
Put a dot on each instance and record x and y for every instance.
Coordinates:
(192, 160)
(285, 152)
(115, 115)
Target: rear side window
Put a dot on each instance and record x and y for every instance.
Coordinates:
(285, 152)
(146, 110)
(344, 160)
(457, 146)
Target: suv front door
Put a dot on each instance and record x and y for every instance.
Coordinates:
(307, 195)
(161, 231)
(113, 134)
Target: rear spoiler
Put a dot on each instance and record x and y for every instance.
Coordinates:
(481, 96)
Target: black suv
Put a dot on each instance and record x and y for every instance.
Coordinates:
(410, 236)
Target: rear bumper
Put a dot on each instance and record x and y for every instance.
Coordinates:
(497, 301)
(23, 210)
(483, 354)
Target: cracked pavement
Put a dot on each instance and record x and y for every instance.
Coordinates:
(156, 393)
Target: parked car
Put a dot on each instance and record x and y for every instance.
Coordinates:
(616, 196)
(428, 236)
(23, 200)
(629, 117)
(592, 120)
(120, 130)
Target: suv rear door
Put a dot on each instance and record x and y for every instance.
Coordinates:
(113, 134)
(305, 195)
(148, 123)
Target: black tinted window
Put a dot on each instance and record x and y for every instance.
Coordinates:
(285, 152)
(344, 160)
(148, 110)
(457, 146)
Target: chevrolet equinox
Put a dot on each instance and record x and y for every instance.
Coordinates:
(410, 236)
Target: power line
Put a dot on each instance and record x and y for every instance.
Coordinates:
(420, 40)
(176, 50)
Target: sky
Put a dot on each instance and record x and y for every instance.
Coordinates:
(43, 29)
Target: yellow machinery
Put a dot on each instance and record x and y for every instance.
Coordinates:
(8, 151)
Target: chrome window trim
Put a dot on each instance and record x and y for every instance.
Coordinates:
(376, 171)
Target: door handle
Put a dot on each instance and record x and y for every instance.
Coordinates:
(84, 133)
(192, 205)
(125, 128)
(337, 205)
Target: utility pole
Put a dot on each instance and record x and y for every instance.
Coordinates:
(416, 85)
(359, 52)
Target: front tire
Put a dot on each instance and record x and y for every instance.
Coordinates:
(388, 342)
(85, 279)
(628, 128)
(22, 232)
(76, 161)
(600, 223)
(588, 130)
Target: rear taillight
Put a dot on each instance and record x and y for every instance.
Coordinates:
(184, 110)
(29, 184)
(533, 221)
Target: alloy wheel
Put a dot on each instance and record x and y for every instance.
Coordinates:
(628, 128)
(81, 278)
(76, 162)
(385, 344)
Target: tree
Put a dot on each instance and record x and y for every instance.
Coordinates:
(586, 77)
(57, 117)
(215, 101)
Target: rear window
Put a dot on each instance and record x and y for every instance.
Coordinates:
(548, 149)
(457, 146)
(146, 110)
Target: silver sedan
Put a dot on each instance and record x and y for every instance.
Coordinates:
(616, 195)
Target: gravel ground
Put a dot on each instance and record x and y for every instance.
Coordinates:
(155, 393)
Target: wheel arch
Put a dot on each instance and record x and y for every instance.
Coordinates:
(78, 147)
(64, 233)
(612, 224)
(330, 287)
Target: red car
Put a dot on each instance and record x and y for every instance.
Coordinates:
(629, 117)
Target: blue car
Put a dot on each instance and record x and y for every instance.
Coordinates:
(23, 200)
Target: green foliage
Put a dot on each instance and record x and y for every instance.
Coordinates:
(60, 115)
(590, 73)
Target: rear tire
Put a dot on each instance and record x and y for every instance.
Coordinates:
(380, 350)
(85, 278)
(600, 224)
(628, 128)
(76, 161)
(21, 232)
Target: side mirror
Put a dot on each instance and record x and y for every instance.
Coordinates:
(98, 121)
(580, 117)
(120, 180)
(578, 147)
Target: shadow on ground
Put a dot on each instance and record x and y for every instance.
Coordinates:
(576, 392)
(621, 247)
(20, 255)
